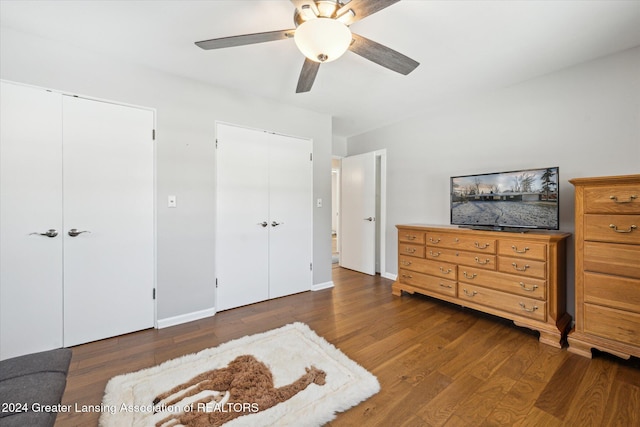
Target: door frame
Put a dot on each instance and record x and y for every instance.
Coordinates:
(381, 213)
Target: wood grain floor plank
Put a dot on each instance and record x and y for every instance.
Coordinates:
(538, 418)
(447, 403)
(483, 401)
(623, 406)
(559, 393)
(516, 405)
(591, 395)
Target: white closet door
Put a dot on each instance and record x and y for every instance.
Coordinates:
(109, 197)
(357, 226)
(290, 206)
(30, 202)
(242, 249)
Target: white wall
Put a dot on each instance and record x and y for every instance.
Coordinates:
(186, 115)
(585, 119)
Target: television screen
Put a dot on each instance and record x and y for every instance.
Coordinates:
(515, 199)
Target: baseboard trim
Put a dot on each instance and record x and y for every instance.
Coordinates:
(321, 286)
(389, 276)
(184, 318)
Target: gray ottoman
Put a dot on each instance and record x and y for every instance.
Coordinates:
(31, 388)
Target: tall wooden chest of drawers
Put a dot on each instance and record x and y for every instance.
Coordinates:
(518, 276)
(607, 266)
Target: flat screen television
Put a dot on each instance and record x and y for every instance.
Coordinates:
(507, 200)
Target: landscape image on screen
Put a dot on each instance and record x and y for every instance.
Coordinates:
(526, 198)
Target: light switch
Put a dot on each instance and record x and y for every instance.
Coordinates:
(319, 203)
(172, 202)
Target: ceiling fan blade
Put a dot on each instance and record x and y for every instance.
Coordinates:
(382, 55)
(245, 39)
(364, 8)
(307, 75)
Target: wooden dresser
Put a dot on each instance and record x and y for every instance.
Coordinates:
(607, 266)
(518, 276)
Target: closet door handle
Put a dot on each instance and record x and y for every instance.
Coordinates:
(263, 223)
(49, 233)
(370, 219)
(275, 224)
(74, 232)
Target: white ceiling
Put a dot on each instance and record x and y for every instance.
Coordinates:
(465, 48)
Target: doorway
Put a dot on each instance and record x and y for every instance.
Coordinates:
(362, 212)
(335, 209)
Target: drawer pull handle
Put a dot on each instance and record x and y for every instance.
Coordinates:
(530, 310)
(469, 276)
(479, 246)
(470, 294)
(631, 199)
(434, 241)
(410, 250)
(434, 254)
(403, 262)
(486, 261)
(447, 271)
(515, 265)
(445, 286)
(531, 289)
(407, 276)
(515, 249)
(410, 237)
(615, 228)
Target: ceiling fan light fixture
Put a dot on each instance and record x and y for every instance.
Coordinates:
(323, 39)
(309, 12)
(347, 17)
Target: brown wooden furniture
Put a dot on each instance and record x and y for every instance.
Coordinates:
(607, 266)
(518, 276)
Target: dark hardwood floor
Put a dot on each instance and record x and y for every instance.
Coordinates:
(438, 364)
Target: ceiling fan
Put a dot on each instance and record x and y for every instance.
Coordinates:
(322, 34)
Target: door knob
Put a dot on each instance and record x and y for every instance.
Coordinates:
(74, 232)
(263, 223)
(370, 219)
(49, 233)
(275, 224)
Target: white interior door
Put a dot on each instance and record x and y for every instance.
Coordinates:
(109, 198)
(358, 213)
(242, 248)
(30, 202)
(290, 215)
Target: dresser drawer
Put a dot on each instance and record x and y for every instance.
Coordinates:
(434, 268)
(618, 199)
(524, 286)
(461, 257)
(411, 250)
(612, 228)
(428, 283)
(475, 244)
(526, 307)
(612, 258)
(411, 236)
(523, 267)
(522, 249)
(613, 324)
(612, 291)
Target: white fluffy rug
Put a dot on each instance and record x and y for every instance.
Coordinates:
(286, 351)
